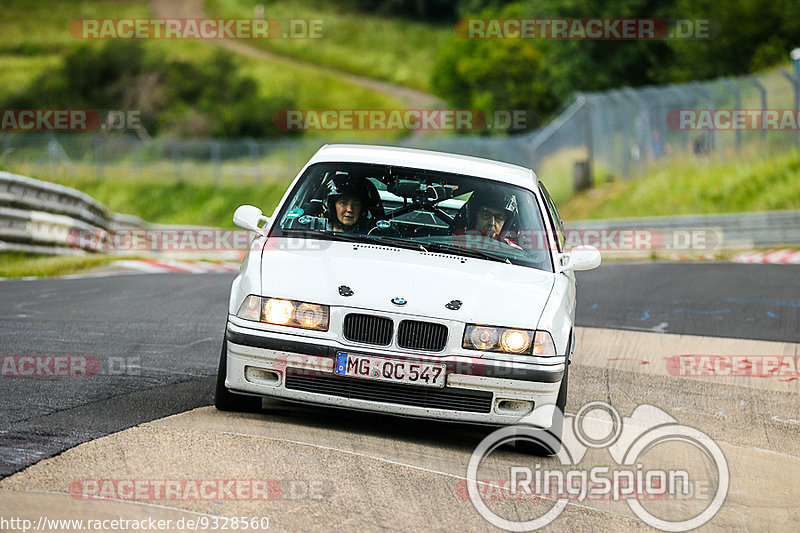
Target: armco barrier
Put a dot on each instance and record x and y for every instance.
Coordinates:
(37, 216)
(730, 231)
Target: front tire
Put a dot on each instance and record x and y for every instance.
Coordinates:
(548, 446)
(225, 400)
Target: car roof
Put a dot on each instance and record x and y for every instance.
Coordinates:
(427, 159)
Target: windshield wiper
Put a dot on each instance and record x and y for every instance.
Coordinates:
(402, 243)
(469, 252)
(361, 239)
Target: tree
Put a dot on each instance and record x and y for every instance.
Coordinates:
(753, 35)
(491, 75)
(176, 97)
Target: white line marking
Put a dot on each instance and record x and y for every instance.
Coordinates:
(786, 420)
(100, 498)
(381, 459)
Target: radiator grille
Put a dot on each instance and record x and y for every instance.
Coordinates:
(422, 335)
(363, 389)
(368, 329)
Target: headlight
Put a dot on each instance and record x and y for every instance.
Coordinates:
(312, 316)
(285, 312)
(481, 338)
(278, 311)
(508, 340)
(515, 340)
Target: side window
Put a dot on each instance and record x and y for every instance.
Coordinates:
(554, 216)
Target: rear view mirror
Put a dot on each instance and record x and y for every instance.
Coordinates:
(248, 217)
(580, 258)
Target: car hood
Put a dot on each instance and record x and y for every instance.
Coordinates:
(491, 292)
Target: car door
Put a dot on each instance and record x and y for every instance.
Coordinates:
(558, 224)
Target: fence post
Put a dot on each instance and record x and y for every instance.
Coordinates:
(796, 85)
(255, 169)
(684, 102)
(644, 138)
(657, 136)
(176, 161)
(215, 159)
(6, 150)
(99, 156)
(738, 99)
(711, 107)
(137, 157)
(589, 137)
(763, 91)
(606, 131)
(625, 130)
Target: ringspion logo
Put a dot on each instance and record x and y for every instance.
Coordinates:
(702, 475)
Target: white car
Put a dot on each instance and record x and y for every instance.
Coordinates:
(409, 282)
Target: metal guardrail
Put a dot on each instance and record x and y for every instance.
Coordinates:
(701, 233)
(40, 217)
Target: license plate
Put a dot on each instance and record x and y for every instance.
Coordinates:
(396, 371)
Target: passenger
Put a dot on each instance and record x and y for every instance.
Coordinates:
(346, 202)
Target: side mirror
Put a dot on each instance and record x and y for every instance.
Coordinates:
(248, 217)
(580, 258)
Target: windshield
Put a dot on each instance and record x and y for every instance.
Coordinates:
(417, 209)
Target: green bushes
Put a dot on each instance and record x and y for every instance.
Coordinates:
(493, 75)
(744, 36)
(174, 97)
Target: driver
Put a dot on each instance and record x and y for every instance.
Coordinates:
(346, 201)
(491, 212)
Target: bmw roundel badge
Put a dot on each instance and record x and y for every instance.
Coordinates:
(399, 301)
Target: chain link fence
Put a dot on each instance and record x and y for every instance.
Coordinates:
(629, 129)
(615, 133)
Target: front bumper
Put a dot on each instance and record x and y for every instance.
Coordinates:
(296, 368)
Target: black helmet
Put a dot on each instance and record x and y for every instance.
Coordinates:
(495, 199)
(342, 185)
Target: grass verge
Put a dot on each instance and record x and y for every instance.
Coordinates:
(686, 186)
(391, 49)
(180, 202)
(18, 265)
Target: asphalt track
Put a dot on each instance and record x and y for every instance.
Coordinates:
(156, 341)
(722, 299)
